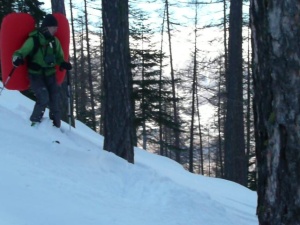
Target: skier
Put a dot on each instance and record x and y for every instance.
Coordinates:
(43, 52)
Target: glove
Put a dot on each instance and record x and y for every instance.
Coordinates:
(66, 66)
(17, 61)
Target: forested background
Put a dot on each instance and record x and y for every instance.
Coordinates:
(191, 79)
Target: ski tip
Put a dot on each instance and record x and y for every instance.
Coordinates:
(35, 124)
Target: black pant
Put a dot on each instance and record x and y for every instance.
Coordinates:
(45, 89)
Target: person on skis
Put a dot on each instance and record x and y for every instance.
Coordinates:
(43, 51)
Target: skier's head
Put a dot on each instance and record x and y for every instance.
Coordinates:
(49, 21)
(49, 25)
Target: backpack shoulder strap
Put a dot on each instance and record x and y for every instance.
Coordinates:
(54, 45)
(36, 45)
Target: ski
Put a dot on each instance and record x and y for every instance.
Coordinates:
(35, 124)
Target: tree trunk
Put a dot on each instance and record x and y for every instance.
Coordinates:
(194, 82)
(101, 130)
(220, 125)
(75, 66)
(161, 147)
(91, 90)
(225, 35)
(118, 121)
(175, 110)
(249, 111)
(235, 161)
(275, 32)
(201, 160)
(59, 6)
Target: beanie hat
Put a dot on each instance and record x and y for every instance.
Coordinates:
(49, 21)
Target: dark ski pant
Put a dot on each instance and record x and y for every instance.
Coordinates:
(45, 89)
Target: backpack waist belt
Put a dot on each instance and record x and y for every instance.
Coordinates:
(36, 67)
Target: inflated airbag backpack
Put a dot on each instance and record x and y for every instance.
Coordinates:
(15, 29)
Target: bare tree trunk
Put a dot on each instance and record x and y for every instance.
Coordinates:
(200, 134)
(101, 86)
(248, 114)
(161, 147)
(82, 93)
(175, 111)
(89, 67)
(118, 121)
(276, 66)
(194, 82)
(191, 149)
(220, 118)
(219, 130)
(75, 66)
(235, 161)
(225, 35)
(59, 6)
(144, 132)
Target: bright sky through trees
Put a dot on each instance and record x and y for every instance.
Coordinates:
(182, 16)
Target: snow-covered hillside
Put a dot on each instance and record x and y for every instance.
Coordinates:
(49, 177)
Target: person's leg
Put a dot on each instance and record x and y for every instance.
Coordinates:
(39, 88)
(53, 100)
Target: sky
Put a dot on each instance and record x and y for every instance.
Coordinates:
(51, 176)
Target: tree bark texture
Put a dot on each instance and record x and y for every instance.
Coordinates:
(118, 122)
(58, 6)
(235, 161)
(276, 74)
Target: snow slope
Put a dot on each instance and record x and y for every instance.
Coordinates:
(52, 178)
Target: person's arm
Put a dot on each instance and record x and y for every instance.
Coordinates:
(26, 49)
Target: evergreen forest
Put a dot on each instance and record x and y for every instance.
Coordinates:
(194, 81)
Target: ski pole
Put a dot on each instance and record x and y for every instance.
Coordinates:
(69, 98)
(8, 78)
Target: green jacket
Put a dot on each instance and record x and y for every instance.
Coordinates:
(45, 57)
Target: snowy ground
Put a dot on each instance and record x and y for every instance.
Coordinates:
(75, 182)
